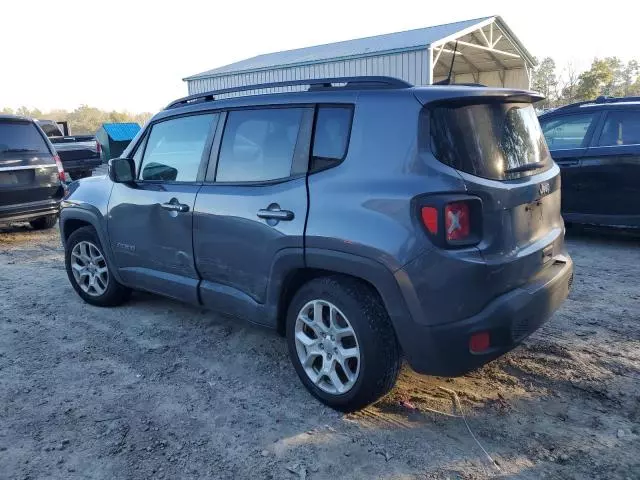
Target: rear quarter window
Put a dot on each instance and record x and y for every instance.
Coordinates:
(331, 136)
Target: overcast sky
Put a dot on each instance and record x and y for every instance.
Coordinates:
(132, 54)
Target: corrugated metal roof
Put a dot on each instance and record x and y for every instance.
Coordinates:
(391, 42)
(121, 131)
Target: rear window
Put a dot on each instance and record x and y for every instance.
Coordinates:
(499, 141)
(20, 137)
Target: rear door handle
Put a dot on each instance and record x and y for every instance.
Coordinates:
(275, 214)
(174, 206)
(567, 163)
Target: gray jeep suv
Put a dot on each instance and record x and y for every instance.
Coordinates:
(364, 218)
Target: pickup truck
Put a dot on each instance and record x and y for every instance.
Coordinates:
(79, 154)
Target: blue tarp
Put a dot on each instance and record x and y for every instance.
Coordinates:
(121, 131)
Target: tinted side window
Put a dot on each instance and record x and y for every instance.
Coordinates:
(258, 145)
(567, 132)
(174, 148)
(331, 136)
(621, 128)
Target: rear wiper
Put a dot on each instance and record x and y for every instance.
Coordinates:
(20, 150)
(526, 167)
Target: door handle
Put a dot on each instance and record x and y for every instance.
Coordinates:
(567, 163)
(174, 206)
(275, 214)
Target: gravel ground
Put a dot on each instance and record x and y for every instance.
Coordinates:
(157, 389)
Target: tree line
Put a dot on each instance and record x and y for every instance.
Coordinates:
(608, 76)
(84, 119)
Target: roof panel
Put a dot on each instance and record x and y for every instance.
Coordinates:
(408, 40)
(121, 131)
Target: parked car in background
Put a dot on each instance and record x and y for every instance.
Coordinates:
(597, 146)
(31, 174)
(364, 218)
(80, 154)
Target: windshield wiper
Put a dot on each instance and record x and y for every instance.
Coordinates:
(526, 167)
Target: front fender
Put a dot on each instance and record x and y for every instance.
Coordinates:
(87, 203)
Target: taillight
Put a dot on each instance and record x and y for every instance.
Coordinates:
(61, 175)
(456, 221)
(98, 148)
(451, 221)
(430, 219)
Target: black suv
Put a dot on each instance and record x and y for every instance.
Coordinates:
(31, 175)
(597, 146)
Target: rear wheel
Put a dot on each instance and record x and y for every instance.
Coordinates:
(89, 272)
(341, 342)
(43, 223)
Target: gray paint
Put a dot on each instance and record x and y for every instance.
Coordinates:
(357, 218)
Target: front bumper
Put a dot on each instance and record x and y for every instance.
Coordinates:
(28, 211)
(444, 349)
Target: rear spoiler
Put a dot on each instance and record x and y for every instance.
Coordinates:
(459, 94)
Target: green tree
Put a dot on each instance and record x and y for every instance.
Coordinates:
(592, 82)
(630, 79)
(546, 82)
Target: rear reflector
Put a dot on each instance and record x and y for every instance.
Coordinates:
(479, 342)
(457, 221)
(430, 219)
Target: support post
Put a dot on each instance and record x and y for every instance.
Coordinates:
(430, 65)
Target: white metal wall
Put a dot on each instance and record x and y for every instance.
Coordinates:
(409, 66)
(513, 78)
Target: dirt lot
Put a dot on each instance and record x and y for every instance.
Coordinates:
(157, 389)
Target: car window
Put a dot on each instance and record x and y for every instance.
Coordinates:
(51, 130)
(331, 136)
(621, 128)
(174, 149)
(568, 131)
(258, 145)
(20, 137)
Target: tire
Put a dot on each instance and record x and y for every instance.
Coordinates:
(44, 223)
(357, 306)
(103, 293)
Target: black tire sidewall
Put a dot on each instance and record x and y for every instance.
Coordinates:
(115, 292)
(355, 309)
(44, 223)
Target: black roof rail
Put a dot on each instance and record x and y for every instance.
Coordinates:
(599, 101)
(314, 84)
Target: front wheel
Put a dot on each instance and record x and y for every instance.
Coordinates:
(89, 272)
(341, 342)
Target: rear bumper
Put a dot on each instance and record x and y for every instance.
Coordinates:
(28, 211)
(81, 165)
(509, 319)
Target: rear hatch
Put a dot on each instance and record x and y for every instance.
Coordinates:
(493, 140)
(28, 171)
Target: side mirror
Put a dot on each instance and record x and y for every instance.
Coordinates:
(122, 170)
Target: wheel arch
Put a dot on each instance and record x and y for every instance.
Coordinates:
(319, 262)
(74, 218)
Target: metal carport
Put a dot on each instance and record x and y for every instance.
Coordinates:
(486, 52)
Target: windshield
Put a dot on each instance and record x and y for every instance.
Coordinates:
(20, 137)
(500, 141)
